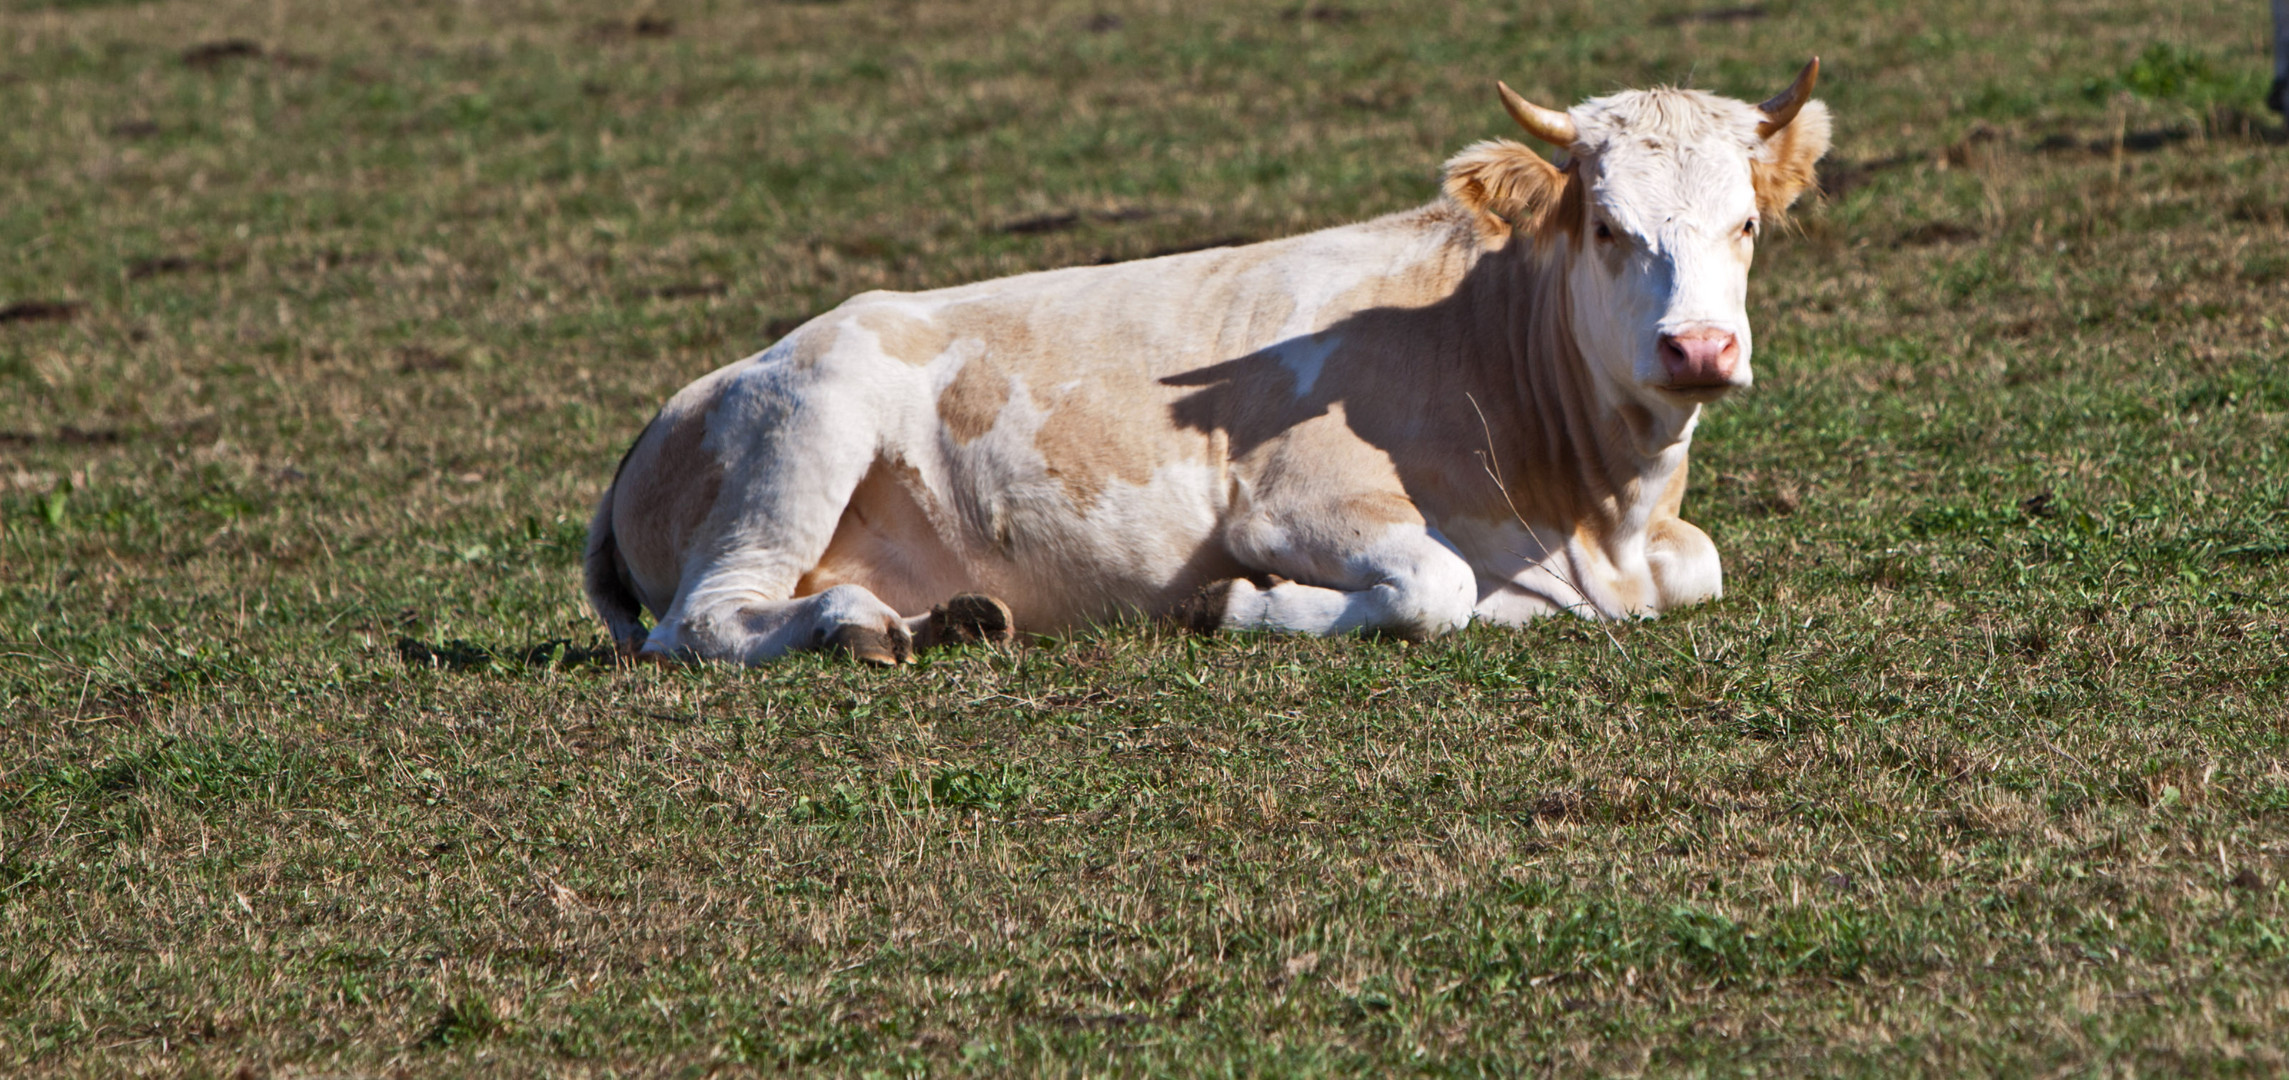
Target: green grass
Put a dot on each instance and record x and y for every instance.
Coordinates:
(311, 762)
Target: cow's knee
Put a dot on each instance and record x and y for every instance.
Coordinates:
(1683, 562)
(850, 620)
(1431, 598)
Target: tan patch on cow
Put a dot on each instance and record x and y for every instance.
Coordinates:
(1786, 165)
(803, 349)
(1569, 213)
(886, 543)
(1089, 442)
(1381, 509)
(1676, 534)
(1102, 418)
(1672, 501)
(906, 338)
(972, 403)
(1505, 185)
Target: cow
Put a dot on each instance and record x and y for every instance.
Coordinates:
(1476, 409)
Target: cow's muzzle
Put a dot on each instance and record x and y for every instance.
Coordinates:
(1701, 361)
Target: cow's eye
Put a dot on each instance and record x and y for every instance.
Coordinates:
(1605, 232)
(1748, 229)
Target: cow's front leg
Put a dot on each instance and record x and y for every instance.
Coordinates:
(1684, 564)
(1394, 578)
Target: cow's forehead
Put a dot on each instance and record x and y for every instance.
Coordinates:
(1662, 154)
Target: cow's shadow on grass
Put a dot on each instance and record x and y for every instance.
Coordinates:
(454, 654)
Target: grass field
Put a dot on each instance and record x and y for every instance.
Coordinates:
(321, 327)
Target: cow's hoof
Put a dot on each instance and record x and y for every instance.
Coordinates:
(972, 618)
(630, 649)
(872, 645)
(1203, 611)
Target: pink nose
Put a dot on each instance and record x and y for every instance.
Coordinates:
(1698, 358)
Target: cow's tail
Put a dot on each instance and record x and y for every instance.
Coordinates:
(608, 589)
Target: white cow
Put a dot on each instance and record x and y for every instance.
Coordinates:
(1479, 408)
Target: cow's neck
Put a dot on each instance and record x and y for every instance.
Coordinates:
(1607, 463)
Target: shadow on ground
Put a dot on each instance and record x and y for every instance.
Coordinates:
(455, 654)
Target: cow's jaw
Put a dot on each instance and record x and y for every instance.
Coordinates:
(1659, 278)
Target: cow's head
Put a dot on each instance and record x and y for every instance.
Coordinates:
(1654, 218)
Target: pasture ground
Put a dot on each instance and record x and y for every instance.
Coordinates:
(322, 325)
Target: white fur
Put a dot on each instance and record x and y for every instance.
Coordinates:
(1677, 261)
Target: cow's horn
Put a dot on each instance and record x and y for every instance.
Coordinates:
(1548, 125)
(1782, 109)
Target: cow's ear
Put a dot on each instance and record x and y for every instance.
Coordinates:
(1504, 185)
(1784, 166)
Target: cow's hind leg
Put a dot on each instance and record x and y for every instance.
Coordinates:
(846, 619)
(725, 622)
(799, 439)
